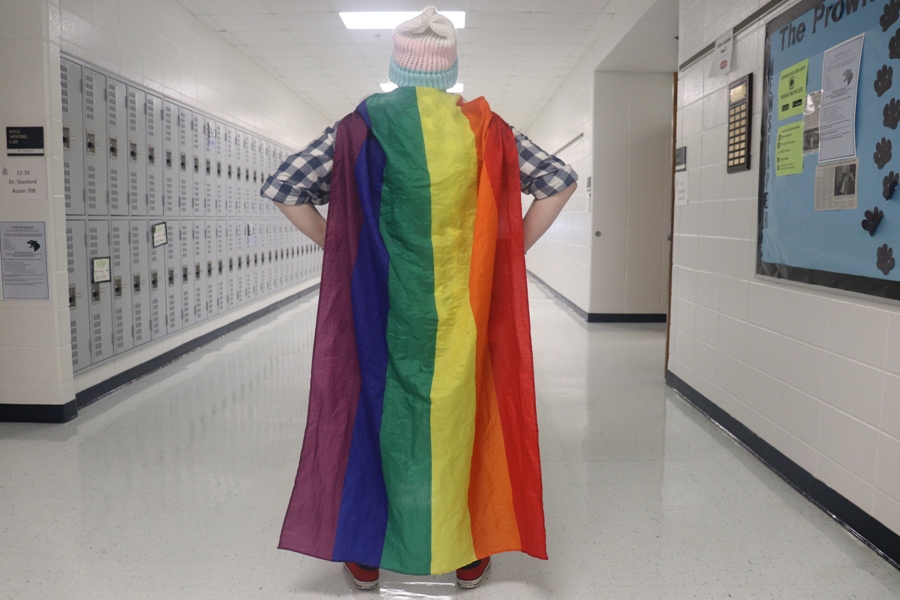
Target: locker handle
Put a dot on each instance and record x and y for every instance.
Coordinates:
(172, 276)
(197, 165)
(168, 159)
(113, 147)
(95, 293)
(89, 142)
(151, 155)
(209, 271)
(117, 286)
(220, 267)
(184, 274)
(197, 271)
(137, 283)
(208, 166)
(66, 144)
(218, 168)
(72, 296)
(154, 280)
(133, 151)
(240, 262)
(230, 265)
(183, 162)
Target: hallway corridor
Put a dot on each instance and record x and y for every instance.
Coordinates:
(175, 487)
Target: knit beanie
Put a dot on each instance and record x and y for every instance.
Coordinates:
(425, 52)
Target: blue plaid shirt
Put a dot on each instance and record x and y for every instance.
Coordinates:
(306, 175)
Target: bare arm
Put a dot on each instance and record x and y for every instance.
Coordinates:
(307, 219)
(542, 213)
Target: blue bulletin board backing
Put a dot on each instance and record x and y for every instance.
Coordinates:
(832, 248)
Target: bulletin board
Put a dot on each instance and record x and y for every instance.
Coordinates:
(829, 203)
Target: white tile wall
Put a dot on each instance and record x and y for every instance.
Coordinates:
(156, 43)
(814, 373)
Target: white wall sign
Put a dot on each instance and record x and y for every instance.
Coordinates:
(723, 55)
(23, 260)
(23, 178)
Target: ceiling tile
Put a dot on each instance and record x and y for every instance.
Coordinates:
(247, 22)
(250, 38)
(562, 20)
(497, 20)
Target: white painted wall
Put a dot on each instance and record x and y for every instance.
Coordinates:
(815, 374)
(156, 43)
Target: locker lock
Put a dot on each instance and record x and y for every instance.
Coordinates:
(154, 280)
(209, 268)
(171, 276)
(117, 286)
(184, 273)
(197, 271)
(137, 283)
(72, 296)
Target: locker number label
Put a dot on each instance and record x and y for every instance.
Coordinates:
(23, 179)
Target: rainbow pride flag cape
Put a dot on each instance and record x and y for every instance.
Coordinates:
(421, 446)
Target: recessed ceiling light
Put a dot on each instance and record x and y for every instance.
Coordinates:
(390, 86)
(390, 19)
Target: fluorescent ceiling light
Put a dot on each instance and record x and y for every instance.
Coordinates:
(387, 87)
(390, 19)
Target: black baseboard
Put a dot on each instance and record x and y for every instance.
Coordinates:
(67, 412)
(869, 530)
(38, 413)
(599, 317)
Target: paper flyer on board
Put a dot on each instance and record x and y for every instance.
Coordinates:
(840, 82)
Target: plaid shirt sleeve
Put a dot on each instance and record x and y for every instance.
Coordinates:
(542, 174)
(306, 175)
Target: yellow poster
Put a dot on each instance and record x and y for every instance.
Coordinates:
(789, 150)
(792, 90)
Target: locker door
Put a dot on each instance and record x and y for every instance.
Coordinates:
(96, 192)
(174, 320)
(265, 257)
(187, 274)
(123, 303)
(73, 135)
(171, 167)
(209, 167)
(282, 261)
(197, 166)
(239, 173)
(140, 281)
(253, 240)
(117, 146)
(230, 210)
(237, 229)
(223, 268)
(137, 156)
(253, 181)
(158, 282)
(248, 257)
(79, 299)
(233, 273)
(100, 293)
(200, 271)
(212, 269)
(185, 162)
(220, 172)
(155, 156)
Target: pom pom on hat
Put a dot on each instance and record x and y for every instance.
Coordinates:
(425, 52)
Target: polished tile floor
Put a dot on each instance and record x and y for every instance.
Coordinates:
(175, 487)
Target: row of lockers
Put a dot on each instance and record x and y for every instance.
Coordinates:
(136, 280)
(131, 152)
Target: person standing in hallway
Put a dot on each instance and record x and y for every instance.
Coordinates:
(421, 447)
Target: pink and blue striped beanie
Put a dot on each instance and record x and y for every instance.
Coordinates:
(425, 52)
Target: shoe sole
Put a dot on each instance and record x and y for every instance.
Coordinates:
(472, 583)
(363, 585)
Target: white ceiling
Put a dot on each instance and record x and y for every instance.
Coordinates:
(516, 53)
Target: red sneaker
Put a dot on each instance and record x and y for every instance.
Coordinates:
(470, 576)
(365, 578)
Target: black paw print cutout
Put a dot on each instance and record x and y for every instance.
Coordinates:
(883, 153)
(889, 184)
(885, 262)
(891, 113)
(884, 79)
(873, 218)
(894, 45)
(891, 14)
